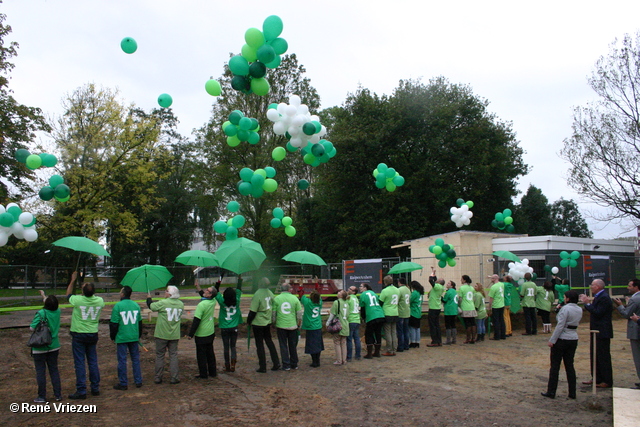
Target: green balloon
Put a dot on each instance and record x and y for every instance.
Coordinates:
(246, 174)
(272, 27)
(49, 160)
(233, 206)
(238, 221)
(244, 123)
(233, 141)
(271, 172)
(257, 192)
(22, 154)
(279, 45)
(507, 212)
(390, 186)
(46, 193)
(303, 184)
(275, 222)
(317, 150)
(244, 188)
(460, 202)
(249, 53)
(230, 129)
(510, 228)
(240, 83)
(253, 138)
(15, 211)
(278, 154)
(239, 65)
(6, 219)
(564, 255)
(290, 231)
(61, 191)
(309, 129)
(291, 148)
(499, 216)
(275, 63)
(287, 221)
(437, 250)
(439, 242)
(260, 86)
(508, 220)
(55, 180)
(128, 45)
(469, 203)
(213, 87)
(451, 262)
(232, 233)
(165, 100)
(270, 185)
(262, 172)
(33, 161)
(575, 255)
(442, 256)
(257, 70)
(278, 213)
(254, 38)
(547, 268)
(309, 158)
(266, 54)
(442, 264)
(62, 199)
(235, 117)
(257, 180)
(220, 227)
(398, 180)
(573, 263)
(564, 263)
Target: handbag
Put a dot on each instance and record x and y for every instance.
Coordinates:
(335, 326)
(41, 336)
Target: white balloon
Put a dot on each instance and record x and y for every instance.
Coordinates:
(18, 230)
(295, 100)
(314, 139)
(282, 107)
(290, 110)
(279, 128)
(555, 270)
(466, 221)
(453, 210)
(296, 142)
(10, 205)
(298, 120)
(4, 238)
(314, 117)
(525, 261)
(323, 131)
(30, 235)
(469, 214)
(25, 218)
(2, 209)
(273, 115)
(294, 130)
(464, 208)
(303, 109)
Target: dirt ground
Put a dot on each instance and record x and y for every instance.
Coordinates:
(491, 383)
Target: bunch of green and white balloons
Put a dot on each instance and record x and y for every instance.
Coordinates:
(15, 222)
(281, 221)
(387, 177)
(461, 215)
(517, 270)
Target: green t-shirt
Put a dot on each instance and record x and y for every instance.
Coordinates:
(508, 289)
(390, 298)
(204, 312)
(561, 290)
(497, 293)
(479, 304)
(415, 303)
(311, 317)
(404, 302)
(229, 317)
(354, 309)
(169, 314)
(53, 321)
(435, 297)
(528, 294)
(340, 309)
(450, 300)
(372, 309)
(262, 305)
(544, 298)
(465, 293)
(86, 313)
(126, 314)
(287, 307)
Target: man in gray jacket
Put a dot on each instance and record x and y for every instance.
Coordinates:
(563, 343)
(633, 330)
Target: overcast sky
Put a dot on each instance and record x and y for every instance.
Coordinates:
(530, 60)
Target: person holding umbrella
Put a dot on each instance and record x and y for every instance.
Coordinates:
(203, 329)
(167, 333)
(259, 319)
(125, 329)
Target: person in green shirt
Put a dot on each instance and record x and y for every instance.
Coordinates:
(229, 318)
(528, 292)
(481, 310)
(259, 320)
(415, 304)
(125, 329)
(167, 333)
(312, 324)
(450, 300)
(508, 291)
(496, 299)
(374, 317)
(389, 298)
(340, 309)
(47, 357)
(203, 328)
(287, 312)
(435, 307)
(85, 319)
(465, 298)
(353, 340)
(404, 312)
(544, 300)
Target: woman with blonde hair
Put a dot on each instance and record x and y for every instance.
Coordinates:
(481, 310)
(340, 310)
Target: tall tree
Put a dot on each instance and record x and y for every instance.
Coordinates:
(567, 219)
(604, 150)
(533, 215)
(18, 123)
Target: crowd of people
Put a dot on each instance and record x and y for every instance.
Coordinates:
(394, 315)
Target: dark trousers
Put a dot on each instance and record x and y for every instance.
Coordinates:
(83, 346)
(229, 339)
(563, 351)
(44, 361)
(373, 331)
(288, 340)
(134, 352)
(604, 372)
(205, 356)
(434, 326)
(497, 317)
(402, 330)
(545, 316)
(530, 321)
(263, 335)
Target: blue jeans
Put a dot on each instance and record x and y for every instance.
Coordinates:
(288, 340)
(84, 346)
(354, 334)
(42, 361)
(134, 352)
(480, 324)
(402, 330)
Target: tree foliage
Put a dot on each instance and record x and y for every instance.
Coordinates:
(604, 150)
(567, 219)
(533, 214)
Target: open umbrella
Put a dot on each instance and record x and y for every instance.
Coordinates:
(197, 258)
(147, 278)
(81, 244)
(240, 255)
(304, 257)
(405, 267)
(507, 255)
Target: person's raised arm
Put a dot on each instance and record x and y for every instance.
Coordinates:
(72, 282)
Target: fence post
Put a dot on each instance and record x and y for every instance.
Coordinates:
(26, 275)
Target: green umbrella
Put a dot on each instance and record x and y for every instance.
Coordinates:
(304, 257)
(507, 255)
(81, 244)
(147, 278)
(240, 255)
(405, 267)
(197, 258)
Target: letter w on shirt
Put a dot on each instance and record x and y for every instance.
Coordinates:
(173, 314)
(129, 317)
(89, 311)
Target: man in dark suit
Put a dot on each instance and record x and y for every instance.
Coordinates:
(633, 330)
(600, 307)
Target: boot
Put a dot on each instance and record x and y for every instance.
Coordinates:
(369, 352)
(376, 353)
(474, 334)
(233, 365)
(454, 333)
(448, 342)
(227, 367)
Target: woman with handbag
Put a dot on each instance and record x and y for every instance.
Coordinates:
(47, 356)
(339, 310)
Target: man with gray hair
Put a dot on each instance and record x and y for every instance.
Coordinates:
(167, 332)
(600, 307)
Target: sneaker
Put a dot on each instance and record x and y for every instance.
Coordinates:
(286, 368)
(95, 393)
(39, 400)
(58, 398)
(138, 385)
(120, 387)
(77, 396)
(262, 370)
(174, 382)
(275, 368)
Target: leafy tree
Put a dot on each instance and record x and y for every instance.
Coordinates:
(533, 215)
(18, 123)
(567, 219)
(603, 151)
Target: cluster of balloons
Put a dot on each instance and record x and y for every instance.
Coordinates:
(387, 177)
(315, 154)
(230, 227)
(569, 259)
(280, 220)
(34, 161)
(444, 253)
(261, 51)
(241, 129)
(503, 221)
(255, 183)
(56, 189)
(553, 270)
(20, 224)
(517, 270)
(461, 215)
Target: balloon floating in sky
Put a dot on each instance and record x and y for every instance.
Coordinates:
(165, 100)
(461, 215)
(517, 270)
(20, 224)
(444, 253)
(569, 259)
(128, 45)
(503, 221)
(387, 177)
(256, 183)
(241, 129)
(212, 87)
(281, 221)
(34, 161)
(303, 184)
(230, 227)
(56, 189)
